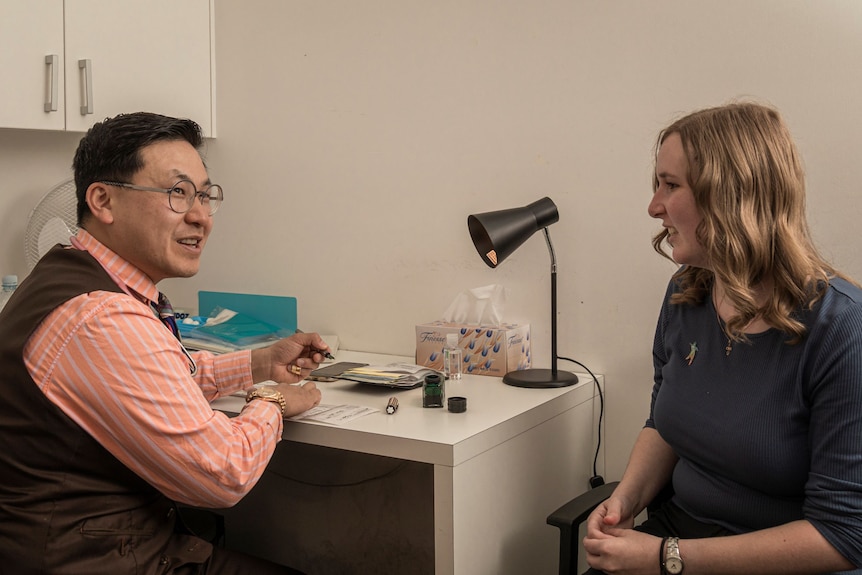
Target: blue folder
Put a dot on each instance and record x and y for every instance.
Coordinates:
(279, 311)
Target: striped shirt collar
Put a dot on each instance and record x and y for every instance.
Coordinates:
(129, 278)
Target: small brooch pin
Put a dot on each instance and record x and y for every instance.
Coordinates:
(692, 352)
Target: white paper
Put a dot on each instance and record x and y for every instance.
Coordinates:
(334, 414)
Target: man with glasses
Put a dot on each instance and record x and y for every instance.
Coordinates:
(105, 423)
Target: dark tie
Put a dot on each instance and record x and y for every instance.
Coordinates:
(166, 314)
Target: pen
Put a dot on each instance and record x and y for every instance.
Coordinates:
(392, 406)
(325, 354)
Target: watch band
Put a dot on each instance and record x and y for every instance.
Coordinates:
(672, 564)
(275, 397)
(661, 555)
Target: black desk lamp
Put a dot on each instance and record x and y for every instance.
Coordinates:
(496, 236)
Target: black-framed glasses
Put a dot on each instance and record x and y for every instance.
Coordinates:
(181, 196)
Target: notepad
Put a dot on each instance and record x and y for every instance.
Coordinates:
(395, 375)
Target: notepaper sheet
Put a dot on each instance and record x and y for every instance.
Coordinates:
(334, 414)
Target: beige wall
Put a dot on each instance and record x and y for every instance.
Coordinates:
(356, 137)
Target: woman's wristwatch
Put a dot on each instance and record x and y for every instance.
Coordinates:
(267, 394)
(671, 561)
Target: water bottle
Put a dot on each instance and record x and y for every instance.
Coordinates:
(452, 357)
(9, 285)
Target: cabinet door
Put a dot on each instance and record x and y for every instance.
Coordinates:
(30, 32)
(152, 55)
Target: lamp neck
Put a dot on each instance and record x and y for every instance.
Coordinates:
(553, 303)
(550, 250)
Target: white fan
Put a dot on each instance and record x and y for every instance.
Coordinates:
(52, 221)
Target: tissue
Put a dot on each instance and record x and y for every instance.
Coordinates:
(489, 345)
(478, 306)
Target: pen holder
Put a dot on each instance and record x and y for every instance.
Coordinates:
(433, 392)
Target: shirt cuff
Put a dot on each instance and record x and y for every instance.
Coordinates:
(269, 416)
(232, 372)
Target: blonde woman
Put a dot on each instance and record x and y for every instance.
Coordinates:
(756, 411)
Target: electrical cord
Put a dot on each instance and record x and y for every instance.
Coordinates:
(596, 480)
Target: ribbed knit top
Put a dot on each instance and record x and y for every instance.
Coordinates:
(771, 433)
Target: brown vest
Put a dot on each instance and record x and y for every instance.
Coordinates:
(66, 504)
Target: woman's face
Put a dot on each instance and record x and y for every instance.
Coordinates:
(673, 203)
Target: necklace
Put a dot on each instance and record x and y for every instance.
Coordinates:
(729, 347)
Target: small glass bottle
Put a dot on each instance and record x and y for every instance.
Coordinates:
(9, 285)
(433, 392)
(452, 357)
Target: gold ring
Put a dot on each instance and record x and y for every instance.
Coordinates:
(296, 370)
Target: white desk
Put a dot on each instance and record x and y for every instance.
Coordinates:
(494, 473)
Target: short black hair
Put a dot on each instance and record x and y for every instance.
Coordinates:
(110, 150)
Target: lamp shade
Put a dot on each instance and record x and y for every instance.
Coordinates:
(497, 235)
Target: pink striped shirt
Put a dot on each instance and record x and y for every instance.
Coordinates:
(110, 364)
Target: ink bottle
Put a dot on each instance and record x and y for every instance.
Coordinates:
(452, 357)
(433, 392)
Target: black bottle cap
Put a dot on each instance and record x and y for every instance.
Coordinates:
(457, 404)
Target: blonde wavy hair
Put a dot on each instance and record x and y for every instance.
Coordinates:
(749, 185)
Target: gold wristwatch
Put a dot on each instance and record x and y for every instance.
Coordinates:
(672, 563)
(267, 394)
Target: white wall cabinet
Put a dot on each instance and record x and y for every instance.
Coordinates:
(70, 63)
(30, 31)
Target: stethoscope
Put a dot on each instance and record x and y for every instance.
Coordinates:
(193, 367)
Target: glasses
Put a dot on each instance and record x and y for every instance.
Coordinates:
(181, 196)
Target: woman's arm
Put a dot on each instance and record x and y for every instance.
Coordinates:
(610, 544)
(649, 469)
(795, 547)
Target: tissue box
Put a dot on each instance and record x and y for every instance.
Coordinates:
(488, 350)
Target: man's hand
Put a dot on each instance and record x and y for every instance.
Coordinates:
(288, 360)
(299, 398)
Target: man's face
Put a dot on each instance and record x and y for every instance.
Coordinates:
(145, 231)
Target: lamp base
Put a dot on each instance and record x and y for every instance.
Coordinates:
(539, 378)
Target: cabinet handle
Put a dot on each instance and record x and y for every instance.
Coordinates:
(87, 105)
(53, 77)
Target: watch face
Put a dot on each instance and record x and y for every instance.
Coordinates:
(673, 566)
(266, 392)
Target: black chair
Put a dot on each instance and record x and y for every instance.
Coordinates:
(568, 519)
(570, 516)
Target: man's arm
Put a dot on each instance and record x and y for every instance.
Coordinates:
(113, 368)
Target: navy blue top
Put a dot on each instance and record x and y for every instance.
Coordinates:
(771, 433)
